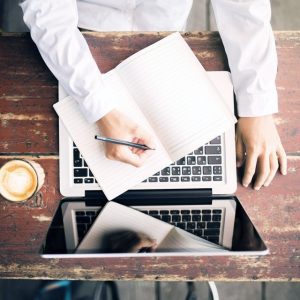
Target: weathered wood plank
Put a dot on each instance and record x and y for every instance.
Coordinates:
(27, 86)
(274, 210)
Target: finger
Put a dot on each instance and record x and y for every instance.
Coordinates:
(273, 168)
(134, 159)
(134, 149)
(282, 160)
(145, 138)
(240, 151)
(263, 171)
(251, 160)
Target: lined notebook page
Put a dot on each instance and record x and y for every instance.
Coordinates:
(172, 89)
(115, 216)
(114, 177)
(179, 240)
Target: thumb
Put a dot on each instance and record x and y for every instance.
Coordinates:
(240, 151)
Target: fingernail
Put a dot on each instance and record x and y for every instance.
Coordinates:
(245, 184)
(257, 188)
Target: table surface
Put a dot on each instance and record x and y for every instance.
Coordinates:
(29, 128)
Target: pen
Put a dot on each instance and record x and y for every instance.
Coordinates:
(120, 142)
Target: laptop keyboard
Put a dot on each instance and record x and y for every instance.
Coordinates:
(205, 223)
(203, 164)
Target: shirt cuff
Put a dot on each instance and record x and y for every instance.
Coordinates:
(255, 105)
(97, 105)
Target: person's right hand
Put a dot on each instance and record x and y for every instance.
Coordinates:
(117, 126)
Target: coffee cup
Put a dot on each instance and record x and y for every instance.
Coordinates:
(20, 179)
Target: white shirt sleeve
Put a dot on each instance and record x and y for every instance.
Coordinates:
(53, 27)
(245, 29)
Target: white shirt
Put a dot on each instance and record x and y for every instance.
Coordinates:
(244, 26)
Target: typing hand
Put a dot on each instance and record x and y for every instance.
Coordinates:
(258, 145)
(117, 126)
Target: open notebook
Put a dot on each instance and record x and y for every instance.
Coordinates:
(165, 89)
(115, 217)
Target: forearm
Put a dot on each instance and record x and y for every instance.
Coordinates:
(247, 36)
(53, 27)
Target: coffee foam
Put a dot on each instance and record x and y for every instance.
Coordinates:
(18, 180)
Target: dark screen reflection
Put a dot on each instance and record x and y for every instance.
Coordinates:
(245, 237)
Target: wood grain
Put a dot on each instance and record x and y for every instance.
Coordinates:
(29, 130)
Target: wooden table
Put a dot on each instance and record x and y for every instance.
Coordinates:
(29, 128)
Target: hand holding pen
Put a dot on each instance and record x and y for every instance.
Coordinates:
(128, 142)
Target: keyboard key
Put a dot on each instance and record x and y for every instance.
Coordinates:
(165, 171)
(196, 211)
(211, 232)
(78, 180)
(166, 218)
(190, 230)
(191, 225)
(181, 161)
(81, 172)
(185, 178)
(201, 225)
(88, 180)
(213, 239)
(215, 141)
(196, 218)
(198, 232)
(163, 179)
(90, 213)
(206, 211)
(217, 170)
(85, 164)
(81, 230)
(176, 218)
(153, 179)
(206, 178)
(212, 149)
(217, 178)
(181, 225)
(74, 145)
(145, 180)
(174, 179)
(214, 160)
(196, 178)
(153, 212)
(186, 170)
(196, 170)
(185, 211)
(216, 217)
(201, 160)
(76, 154)
(191, 160)
(91, 174)
(186, 218)
(217, 211)
(174, 212)
(214, 225)
(80, 213)
(207, 170)
(206, 218)
(156, 217)
(175, 170)
(83, 219)
(77, 162)
(199, 151)
(163, 212)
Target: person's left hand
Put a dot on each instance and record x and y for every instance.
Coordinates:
(258, 145)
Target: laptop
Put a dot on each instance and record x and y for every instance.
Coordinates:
(193, 193)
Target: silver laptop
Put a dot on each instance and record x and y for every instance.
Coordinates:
(210, 167)
(194, 194)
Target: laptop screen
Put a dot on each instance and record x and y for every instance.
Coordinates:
(130, 227)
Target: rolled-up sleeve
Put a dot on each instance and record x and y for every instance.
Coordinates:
(53, 27)
(246, 32)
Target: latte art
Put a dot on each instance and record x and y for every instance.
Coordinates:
(19, 179)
